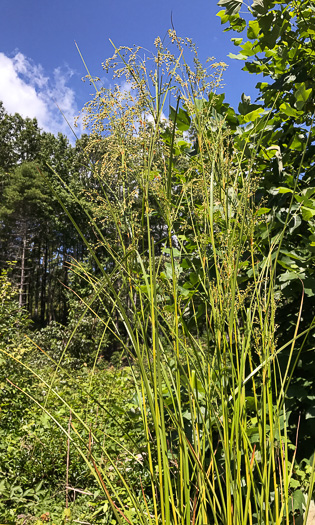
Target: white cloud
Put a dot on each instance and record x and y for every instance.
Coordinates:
(25, 89)
(126, 87)
(150, 118)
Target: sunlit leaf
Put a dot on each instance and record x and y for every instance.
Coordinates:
(290, 276)
(301, 95)
(237, 41)
(253, 29)
(307, 213)
(288, 110)
(236, 57)
(253, 115)
(262, 211)
(232, 7)
(284, 190)
(296, 144)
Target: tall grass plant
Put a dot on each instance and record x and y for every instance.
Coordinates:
(190, 301)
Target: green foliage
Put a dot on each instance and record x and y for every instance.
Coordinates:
(19, 140)
(195, 307)
(14, 321)
(82, 339)
(199, 231)
(33, 449)
(280, 145)
(34, 232)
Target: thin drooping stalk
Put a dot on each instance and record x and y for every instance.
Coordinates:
(68, 462)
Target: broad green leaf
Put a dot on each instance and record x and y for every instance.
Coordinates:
(236, 57)
(199, 103)
(253, 67)
(186, 264)
(268, 153)
(294, 483)
(253, 115)
(237, 23)
(237, 41)
(307, 213)
(183, 145)
(175, 252)
(287, 264)
(224, 17)
(194, 278)
(232, 7)
(291, 254)
(262, 211)
(182, 118)
(307, 203)
(253, 29)
(258, 5)
(290, 276)
(288, 110)
(231, 118)
(249, 49)
(308, 192)
(309, 287)
(284, 190)
(298, 500)
(296, 144)
(184, 291)
(301, 95)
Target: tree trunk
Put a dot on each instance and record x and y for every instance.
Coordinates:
(22, 275)
(37, 285)
(43, 294)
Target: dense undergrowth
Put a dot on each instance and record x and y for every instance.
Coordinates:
(34, 452)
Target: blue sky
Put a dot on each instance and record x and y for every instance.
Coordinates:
(40, 65)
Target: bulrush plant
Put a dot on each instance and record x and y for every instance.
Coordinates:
(190, 301)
